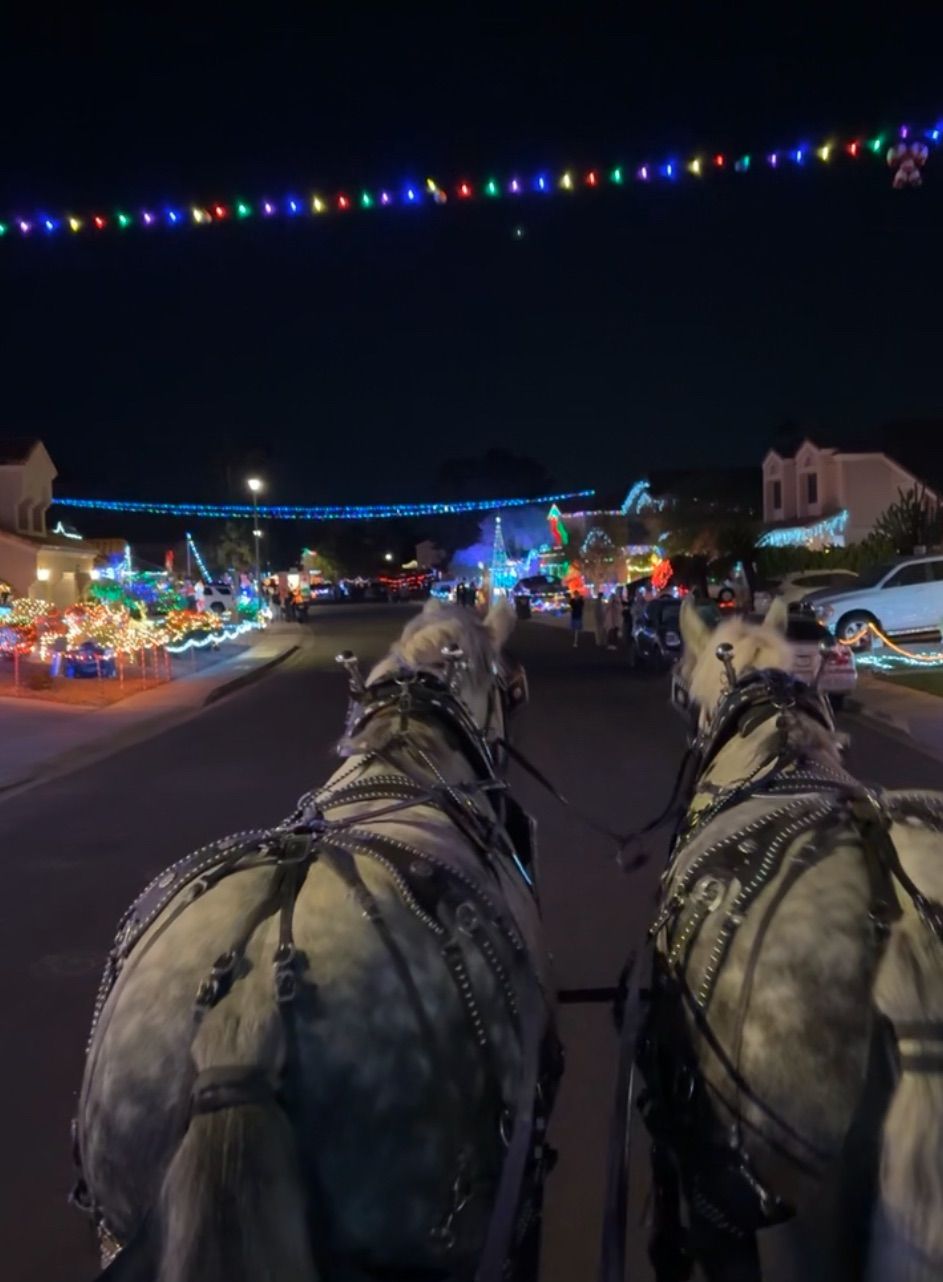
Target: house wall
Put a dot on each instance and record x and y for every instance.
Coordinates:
(870, 483)
(17, 565)
(26, 493)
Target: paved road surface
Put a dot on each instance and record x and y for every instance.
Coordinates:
(75, 850)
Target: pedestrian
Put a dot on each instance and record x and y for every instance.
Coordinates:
(288, 606)
(613, 621)
(276, 603)
(599, 618)
(576, 617)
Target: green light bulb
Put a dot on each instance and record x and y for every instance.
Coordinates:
(3, 229)
(616, 175)
(366, 200)
(123, 220)
(491, 187)
(876, 144)
(242, 209)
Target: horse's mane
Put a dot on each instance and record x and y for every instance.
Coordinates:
(756, 646)
(424, 637)
(419, 649)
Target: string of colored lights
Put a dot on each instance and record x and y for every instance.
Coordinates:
(228, 633)
(431, 192)
(292, 512)
(200, 563)
(908, 658)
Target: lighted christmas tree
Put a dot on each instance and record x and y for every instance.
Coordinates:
(503, 573)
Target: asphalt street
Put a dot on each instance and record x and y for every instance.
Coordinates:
(76, 849)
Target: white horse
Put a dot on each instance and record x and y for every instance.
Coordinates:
(793, 1056)
(317, 1049)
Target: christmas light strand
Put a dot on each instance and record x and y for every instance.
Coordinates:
(200, 563)
(292, 512)
(882, 147)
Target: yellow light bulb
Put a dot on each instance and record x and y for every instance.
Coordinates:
(317, 205)
(695, 167)
(75, 223)
(823, 153)
(567, 181)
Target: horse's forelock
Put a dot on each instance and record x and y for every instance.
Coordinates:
(755, 646)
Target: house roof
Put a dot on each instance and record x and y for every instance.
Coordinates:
(916, 445)
(719, 487)
(54, 542)
(17, 449)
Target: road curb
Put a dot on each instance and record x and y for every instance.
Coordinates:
(247, 678)
(859, 708)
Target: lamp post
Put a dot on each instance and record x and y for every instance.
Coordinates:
(254, 486)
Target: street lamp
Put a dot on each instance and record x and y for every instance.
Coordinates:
(388, 556)
(255, 485)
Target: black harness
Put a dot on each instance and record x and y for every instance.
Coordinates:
(691, 1150)
(499, 829)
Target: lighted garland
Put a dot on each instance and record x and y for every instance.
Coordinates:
(888, 663)
(317, 512)
(903, 149)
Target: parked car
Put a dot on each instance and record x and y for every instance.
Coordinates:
(900, 596)
(218, 598)
(89, 660)
(794, 587)
(805, 635)
(657, 630)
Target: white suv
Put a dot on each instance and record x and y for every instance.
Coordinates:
(899, 597)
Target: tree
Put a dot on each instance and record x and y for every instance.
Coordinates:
(914, 520)
(234, 549)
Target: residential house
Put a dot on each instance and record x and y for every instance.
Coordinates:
(821, 496)
(56, 565)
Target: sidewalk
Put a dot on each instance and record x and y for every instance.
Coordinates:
(911, 712)
(41, 738)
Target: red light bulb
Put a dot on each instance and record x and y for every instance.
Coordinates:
(719, 161)
(464, 190)
(219, 211)
(591, 178)
(99, 221)
(343, 202)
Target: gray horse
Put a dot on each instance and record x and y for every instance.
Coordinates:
(317, 1049)
(793, 1055)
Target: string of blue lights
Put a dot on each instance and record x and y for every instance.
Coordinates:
(316, 512)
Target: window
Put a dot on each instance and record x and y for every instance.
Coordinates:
(812, 487)
(908, 575)
(777, 495)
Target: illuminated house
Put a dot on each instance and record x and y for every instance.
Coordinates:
(51, 565)
(827, 496)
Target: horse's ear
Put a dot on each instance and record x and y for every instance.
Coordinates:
(777, 616)
(500, 621)
(694, 631)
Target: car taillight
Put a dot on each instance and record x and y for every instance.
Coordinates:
(841, 656)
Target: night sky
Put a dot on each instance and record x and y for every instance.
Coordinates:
(625, 330)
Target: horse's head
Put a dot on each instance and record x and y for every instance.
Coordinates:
(486, 680)
(755, 647)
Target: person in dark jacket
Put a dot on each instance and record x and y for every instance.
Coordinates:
(576, 617)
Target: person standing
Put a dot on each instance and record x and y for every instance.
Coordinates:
(613, 621)
(576, 617)
(599, 618)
